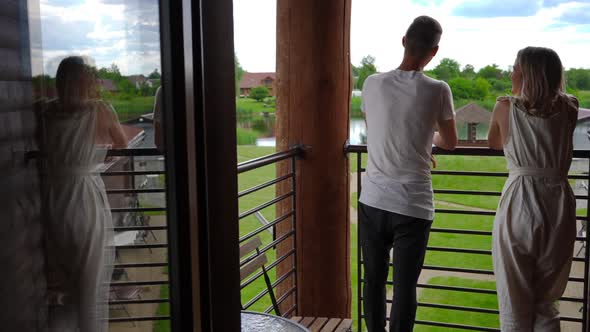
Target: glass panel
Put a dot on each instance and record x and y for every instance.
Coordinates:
(82, 196)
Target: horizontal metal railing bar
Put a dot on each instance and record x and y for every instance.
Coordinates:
(457, 269)
(458, 308)
(134, 152)
(131, 173)
(267, 204)
(265, 292)
(458, 289)
(460, 231)
(265, 227)
(470, 173)
(139, 228)
(138, 301)
(137, 319)
(271, 266)
(139, 265)
(135, 191)
(266, 248)
(139, 283)
(457, 326)
(264, 185)
(143, 246)
(460, 250)
(467, 192)
(269, 159)
(281, 299)
(483, 291)
(470, 212)
(571, 319)
(462, 151)
(288, 312)
(139, 209)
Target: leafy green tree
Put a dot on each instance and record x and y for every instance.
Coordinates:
(366, 69)
(259, 93)
(447, 69)
(490, 72)
(238, 73)
(468, 72)
(481, 88)
(155, 74)
(462, 88)
(578, 79)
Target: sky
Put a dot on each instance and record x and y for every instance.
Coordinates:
(479, 33)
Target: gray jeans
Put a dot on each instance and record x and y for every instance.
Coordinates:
(380, 231)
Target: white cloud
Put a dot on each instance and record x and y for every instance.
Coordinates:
(377, 27)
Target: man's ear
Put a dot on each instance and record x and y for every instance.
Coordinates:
(404, 41)
(434, 51)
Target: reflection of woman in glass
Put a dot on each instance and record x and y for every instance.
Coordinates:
(75, 129)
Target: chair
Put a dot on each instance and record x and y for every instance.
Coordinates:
(255, 262)
(124, 293)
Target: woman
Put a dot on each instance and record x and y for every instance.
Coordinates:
(535, 225)
(75, 129)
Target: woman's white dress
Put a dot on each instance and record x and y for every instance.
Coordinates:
(535, 225)
(79, 227)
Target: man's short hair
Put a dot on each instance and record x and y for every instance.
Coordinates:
(422, 36)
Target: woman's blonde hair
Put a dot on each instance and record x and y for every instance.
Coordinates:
(542, 79)
(76, 81)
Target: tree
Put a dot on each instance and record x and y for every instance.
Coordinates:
(490, 72)
(259, 93)
(468, 72)
(481, 88)
(462, 88)
(578, 79)
(366, 69)
(238, 73)
(447, 69)
(155, 74)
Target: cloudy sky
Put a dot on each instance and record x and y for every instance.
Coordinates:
(475, 32)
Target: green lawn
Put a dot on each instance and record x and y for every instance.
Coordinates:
(133, 107)
(251, 105)
(487, 301)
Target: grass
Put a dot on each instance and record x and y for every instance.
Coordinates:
(487, 301)
(132, 108)
(248, 105)
(246, 136)
(163, 310)
(584, 98)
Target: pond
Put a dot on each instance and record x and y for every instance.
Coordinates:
(357, 132)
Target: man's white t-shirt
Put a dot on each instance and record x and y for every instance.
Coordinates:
(402, 109)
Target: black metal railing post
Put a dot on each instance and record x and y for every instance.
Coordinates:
(586, 255)
(359, 249)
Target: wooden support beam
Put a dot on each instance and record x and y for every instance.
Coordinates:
(313, 97)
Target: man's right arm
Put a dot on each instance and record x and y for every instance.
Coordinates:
(446, 136)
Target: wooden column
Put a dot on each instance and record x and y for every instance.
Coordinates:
(313, 97)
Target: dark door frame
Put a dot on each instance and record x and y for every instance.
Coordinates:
(201, 163)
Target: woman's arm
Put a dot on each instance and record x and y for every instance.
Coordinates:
(115, 130)
(499, 125)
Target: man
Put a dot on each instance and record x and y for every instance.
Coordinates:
(402, 109)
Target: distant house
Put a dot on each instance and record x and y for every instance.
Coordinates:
(137, 80)
(582, 131)
(472, 114)
(252, 80)
(152, 82)
(108, 85)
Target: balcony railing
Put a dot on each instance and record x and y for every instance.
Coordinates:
(278, 236)
(139, 287)
(575, 279)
